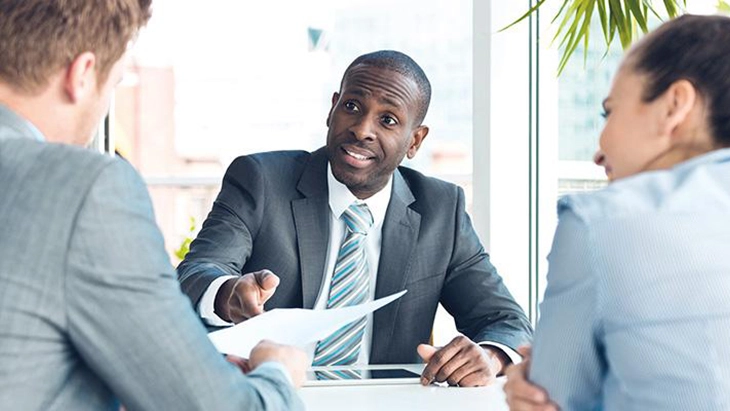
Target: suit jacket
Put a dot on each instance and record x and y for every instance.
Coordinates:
(90, 308)
(273, 212)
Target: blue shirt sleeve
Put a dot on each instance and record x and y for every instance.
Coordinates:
(567, 358)
(275, 367)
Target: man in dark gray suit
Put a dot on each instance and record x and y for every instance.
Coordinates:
(287, 213)
(91, 314)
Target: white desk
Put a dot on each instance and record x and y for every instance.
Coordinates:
(403, 397)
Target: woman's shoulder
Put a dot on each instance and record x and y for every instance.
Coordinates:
(679, 190)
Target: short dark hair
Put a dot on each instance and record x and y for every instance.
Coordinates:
(696, 49)
(402, 64)
(38, 37)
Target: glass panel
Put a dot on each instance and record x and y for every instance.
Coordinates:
(570, 124)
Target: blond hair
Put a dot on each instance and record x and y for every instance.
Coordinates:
(40, 37)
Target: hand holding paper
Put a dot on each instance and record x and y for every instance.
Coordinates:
(295, 326)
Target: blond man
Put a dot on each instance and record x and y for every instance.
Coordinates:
(91, 315)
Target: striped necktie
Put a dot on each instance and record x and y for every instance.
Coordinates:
(350, 286)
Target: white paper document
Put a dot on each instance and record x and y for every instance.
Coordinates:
(291, 326)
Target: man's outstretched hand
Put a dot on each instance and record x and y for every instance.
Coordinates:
(241, 298)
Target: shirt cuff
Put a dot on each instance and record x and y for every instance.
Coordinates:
(273, 365)
(206, 306)
(512, 354)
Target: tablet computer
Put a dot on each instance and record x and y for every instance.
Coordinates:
(364, 375)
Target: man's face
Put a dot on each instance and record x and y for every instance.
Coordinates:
(372, 126)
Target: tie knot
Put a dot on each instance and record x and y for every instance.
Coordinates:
(358, 218)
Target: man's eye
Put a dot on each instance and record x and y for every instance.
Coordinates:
(351, 106)
(389, 121)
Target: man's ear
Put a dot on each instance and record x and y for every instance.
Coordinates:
(680, 98)
(419, 134)
(80, 79)
(335, 99)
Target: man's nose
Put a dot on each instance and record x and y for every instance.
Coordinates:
(364, 129)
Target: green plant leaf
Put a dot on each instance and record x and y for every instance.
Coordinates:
(671, 7)
(586, 35)
(635, 7)
(184, 247)
(565, 3)
(571, 33)
(183, 250)
(613, 27)
(617, 14)
(625, 18)
(648, 4)
(583, 17)
(723, 6)
(573, 9)
(524, 16)
(603, 16)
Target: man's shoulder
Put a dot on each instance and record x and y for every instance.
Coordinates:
(423, 186)
(272, 163)
(278, 171)
(434, 199)
(91, 167)
(273, 159)
(61, 161)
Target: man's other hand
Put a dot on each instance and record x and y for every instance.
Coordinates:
(241, 363)
(241, 298)
(293, 359)
(521, 394)
(461, 362)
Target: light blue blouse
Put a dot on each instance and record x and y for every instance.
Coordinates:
(636, 314)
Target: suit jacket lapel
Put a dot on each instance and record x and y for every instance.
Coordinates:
(312, 221)
(400, 234)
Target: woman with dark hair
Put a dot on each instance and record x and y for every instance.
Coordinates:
(636, 314)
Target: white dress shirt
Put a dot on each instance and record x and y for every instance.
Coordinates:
(340, 198)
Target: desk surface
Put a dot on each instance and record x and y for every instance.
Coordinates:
(404, 397)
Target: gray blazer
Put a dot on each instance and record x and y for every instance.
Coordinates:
(90, 308)
(273, 212)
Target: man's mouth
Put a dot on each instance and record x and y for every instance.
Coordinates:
(359, 155)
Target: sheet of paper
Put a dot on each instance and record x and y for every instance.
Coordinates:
(291, 326)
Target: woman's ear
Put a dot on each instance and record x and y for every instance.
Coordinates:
(680, 100)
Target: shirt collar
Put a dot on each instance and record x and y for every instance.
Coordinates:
(23, 127)
(714, 156)
(340, 198)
